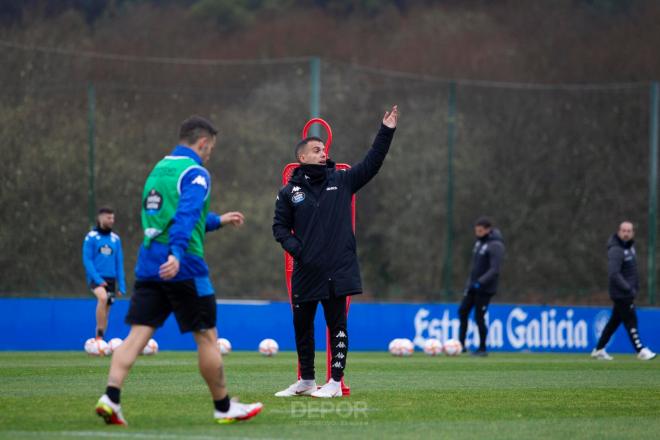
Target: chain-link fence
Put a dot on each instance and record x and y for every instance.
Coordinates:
(556, 167)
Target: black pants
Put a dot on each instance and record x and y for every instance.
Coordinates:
(334, 309)
(622, 311)
(480, 303)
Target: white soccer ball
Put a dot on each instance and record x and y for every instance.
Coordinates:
(408, 347)
(452, 347)
(394, 345)
(224, 345)
(96, 347)
(432, 347)
(114, 343)
(151, 348)
(268, 347)
(401, 347)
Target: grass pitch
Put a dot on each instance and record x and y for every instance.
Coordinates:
(505, 396)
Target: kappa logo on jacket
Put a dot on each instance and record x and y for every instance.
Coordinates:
(331, 188)
(201, 181)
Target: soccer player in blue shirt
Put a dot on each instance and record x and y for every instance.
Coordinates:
(104, 266)
(172, 275)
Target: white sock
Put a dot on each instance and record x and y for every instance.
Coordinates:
(307, 383)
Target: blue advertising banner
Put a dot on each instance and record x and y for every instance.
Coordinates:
(65, 324)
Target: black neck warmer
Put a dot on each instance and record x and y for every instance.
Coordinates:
(103, 230)
(314, 173)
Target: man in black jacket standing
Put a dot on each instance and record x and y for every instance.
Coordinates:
(623, 287)
(313, 223)
(487, 255)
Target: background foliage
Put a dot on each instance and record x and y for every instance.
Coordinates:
(556, 166)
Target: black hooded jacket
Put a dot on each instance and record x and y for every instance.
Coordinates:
(487, 256)
(315, 227)
(622, 268)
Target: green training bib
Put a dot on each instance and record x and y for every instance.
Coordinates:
(160, 199)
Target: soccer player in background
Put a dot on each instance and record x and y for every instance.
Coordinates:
(623, 288)
(481, 286)
(104, 266)
(313, 223)
(171, 274)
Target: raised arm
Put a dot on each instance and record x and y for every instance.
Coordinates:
(362, 172)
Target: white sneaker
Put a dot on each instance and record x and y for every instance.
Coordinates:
(645, 354)
(300, 388)
(601, 355)
(237, 412)
(330, 389)
(110, 411)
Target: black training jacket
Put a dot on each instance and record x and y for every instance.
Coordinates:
(323, 242)
(622, 268)
(487, 256)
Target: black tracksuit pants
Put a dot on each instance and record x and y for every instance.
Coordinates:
(622, 311)
(479, 302)
(334, 309)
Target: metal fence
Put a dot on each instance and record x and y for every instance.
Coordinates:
(556, 166)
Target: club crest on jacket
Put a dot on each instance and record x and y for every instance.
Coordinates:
(298, 197)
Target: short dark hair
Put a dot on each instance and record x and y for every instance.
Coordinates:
(302, 144)
(105, 210)
(484, 222)
(194, 128)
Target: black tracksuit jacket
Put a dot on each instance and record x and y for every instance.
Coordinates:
(622, 269)
(315, 227)
(487, 256)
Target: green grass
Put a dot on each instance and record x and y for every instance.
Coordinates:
(504, 396)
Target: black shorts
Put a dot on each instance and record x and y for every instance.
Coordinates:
(109, 288)
(153, 301)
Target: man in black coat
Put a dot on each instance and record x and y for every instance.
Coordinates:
(623, 287)
(487, 256)
(313, 223)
